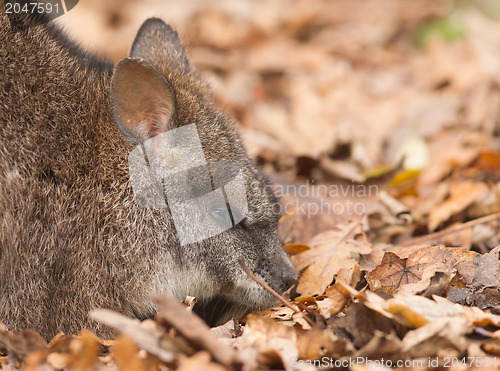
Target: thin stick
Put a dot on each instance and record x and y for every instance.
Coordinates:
(270, 290)
(453, 229)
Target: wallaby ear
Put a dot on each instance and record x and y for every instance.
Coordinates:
(142, 100)
(157, 42)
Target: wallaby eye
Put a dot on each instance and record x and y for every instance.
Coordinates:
(227, 216)
(219, 213)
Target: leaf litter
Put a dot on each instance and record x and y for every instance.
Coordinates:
(402, 96)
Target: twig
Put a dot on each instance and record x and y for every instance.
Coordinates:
(453, 229)
(270, 290)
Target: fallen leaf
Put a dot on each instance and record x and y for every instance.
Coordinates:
(361, 322)
(336, 293)
(274, 342)
(329, 252)
(126, 354)
(199, 361)
(391, 274)
(132, 328)
(295, 248)
(20, 343)
(394, 273)
(85, 351)
(417, 311)
(192, 328)
(58, 360)
(482, 271)
(227, 330)
(462, 195)
(381, 345)
(317, 343)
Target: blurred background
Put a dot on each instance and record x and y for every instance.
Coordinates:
(334, 91)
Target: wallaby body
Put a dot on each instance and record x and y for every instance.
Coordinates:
(72, 237)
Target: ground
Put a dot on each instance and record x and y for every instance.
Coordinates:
(378, 122)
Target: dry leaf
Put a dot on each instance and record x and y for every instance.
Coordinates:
(417, 311)
(482, 271)
(20, 343)
(337, 295)
(192, 328)
(276, 343)
(127, 326)
(126, 355)
(329, 252)
(462, 195)
(317, 343)
(295, 248)
(394, 273)
(85, 350)
(199, 361)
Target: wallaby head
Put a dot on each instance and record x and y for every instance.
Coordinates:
(154, 91)
(85, 224)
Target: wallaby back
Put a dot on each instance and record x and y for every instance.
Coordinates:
(72, 235)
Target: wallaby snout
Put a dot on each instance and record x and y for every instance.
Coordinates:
(287, 275)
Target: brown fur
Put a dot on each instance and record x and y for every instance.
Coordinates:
(72, 237)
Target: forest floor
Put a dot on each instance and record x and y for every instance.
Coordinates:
(378, 122)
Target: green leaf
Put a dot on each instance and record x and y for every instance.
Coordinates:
(448, 29)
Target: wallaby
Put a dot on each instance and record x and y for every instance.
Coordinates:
(73, 237)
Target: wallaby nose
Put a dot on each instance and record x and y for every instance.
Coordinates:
(288, 281)
(287, 277)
